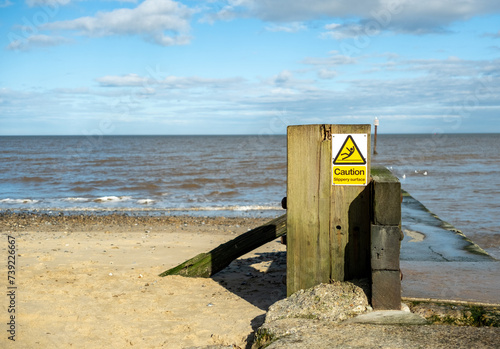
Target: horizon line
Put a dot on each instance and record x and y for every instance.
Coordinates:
(223, 134)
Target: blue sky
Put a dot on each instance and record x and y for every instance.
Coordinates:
(248, 66)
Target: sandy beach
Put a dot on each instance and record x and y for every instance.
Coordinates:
(92, 282)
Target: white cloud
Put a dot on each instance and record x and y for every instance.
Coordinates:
(38, 40)
(343, 31)
(175, 82)
(229, 9)
(327, 74)
(128, 80)
(335, 59)
(332, 26)
(434, 93)
(73, 90)
(283, 92)
(415, 16)
(164, 22)
(33, 3)
(130, 1)
(169, 82)
(283, 77)
(449, 69)
(290, 28)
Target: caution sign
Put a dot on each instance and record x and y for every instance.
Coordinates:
(349, 154)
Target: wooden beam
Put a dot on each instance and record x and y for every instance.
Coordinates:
(207, 264)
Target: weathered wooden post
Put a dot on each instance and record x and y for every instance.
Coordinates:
(386, 238)
(328, 204)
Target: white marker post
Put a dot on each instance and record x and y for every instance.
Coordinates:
(375, 123)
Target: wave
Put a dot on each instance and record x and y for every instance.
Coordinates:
(77, 199)
(224, 193)
(18, 201)
(146, 201)
(112, 199)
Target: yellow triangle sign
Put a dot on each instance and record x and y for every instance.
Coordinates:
(349, 154)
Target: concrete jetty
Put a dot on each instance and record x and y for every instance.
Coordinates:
(439, 262)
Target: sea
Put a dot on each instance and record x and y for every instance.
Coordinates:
(456, 176)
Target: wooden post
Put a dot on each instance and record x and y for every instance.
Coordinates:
(328, 222)
(386, 238)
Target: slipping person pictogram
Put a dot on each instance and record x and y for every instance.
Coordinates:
(351, 151)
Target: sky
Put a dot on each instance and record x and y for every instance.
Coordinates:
(83, 67)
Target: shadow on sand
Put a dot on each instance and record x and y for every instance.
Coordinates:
(260, 280)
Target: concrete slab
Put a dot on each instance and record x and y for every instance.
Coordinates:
(389, 317)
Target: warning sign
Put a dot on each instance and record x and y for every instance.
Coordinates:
(349, 153)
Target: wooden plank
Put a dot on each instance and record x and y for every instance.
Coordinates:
(301, 154)
(305, 242)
